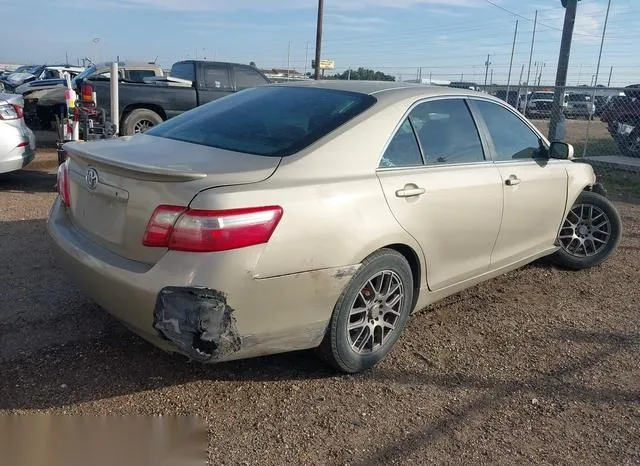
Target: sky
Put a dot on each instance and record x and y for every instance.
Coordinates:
(448, 39)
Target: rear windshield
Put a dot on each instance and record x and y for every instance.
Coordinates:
(271, 120)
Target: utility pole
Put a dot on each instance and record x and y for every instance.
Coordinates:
(541, 71)
(595, 79)
(533, 41)
(491, 80)
(486, 70)
(513, 49)
(289, 61)
(319, 38)
(610, 74)
(306, 57)
(563, 66)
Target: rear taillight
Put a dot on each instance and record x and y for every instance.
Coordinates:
(63, 183)
(182, 229)
(11, 112)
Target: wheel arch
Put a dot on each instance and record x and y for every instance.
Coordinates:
(413, 259)
(142, 106)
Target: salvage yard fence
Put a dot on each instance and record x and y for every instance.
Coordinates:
(598, 121)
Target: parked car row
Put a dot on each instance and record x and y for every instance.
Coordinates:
(45, 99)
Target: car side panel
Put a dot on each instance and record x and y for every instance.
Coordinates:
(456, 220)
(533, 209)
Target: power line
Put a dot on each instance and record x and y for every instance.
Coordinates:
(531, 21)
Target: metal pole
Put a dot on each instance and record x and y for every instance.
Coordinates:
(319, 37)
(563, 66)
(430, 76)
(486, 70)
(491, 80)
(519, 88)
(513, 49)
(306, 57)
(289, 61)
(115, 97)
(533, 40)
(595, 80)
(610, 74)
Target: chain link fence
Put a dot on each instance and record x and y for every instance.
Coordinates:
(598, 121)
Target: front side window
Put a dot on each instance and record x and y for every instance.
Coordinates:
(246, 78)
(272, 121)
(447, 132)
(512, 138)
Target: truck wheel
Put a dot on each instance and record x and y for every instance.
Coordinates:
(140, 120)
(590, 233)
(630, 145)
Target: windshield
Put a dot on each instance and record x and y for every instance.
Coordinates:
(542, 95)
(85, 74)
(271, 121)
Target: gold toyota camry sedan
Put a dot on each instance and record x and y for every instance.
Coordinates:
(318, 215)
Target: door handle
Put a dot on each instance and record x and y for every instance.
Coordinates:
(512, 180)
(410, 190)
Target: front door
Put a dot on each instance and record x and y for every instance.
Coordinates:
(442, 191)
(535, 187)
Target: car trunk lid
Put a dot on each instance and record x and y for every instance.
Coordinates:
(116, 185)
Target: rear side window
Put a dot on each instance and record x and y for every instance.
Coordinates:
(403, 150)
(184, 71)
(447, 132)
(271, 121)
(216, 77)
(246, 78)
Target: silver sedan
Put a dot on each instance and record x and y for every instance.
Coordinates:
(17, 141)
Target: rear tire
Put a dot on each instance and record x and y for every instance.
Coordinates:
(139, 121)
(370, 314)
(590, 233)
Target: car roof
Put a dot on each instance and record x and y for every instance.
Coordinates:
(386, 89)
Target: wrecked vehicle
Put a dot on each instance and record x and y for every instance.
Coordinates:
(318, 215)
(622, 116)
(17, 141)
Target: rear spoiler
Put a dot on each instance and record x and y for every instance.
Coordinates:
(147, 172)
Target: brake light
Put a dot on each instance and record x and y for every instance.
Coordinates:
(63, 183)
(11, 112)
(181, 229)
(87, 93)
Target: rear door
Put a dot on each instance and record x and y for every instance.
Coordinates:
(535, 187)
(214, 81)
(443, 191)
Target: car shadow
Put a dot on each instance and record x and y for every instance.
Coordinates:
(554, 384)
(28, 181)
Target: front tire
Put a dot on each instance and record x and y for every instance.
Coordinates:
(590, 233)
(370, 314)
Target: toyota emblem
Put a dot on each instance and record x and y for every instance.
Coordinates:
(92, 178)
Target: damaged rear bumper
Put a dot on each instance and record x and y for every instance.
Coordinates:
(231, 316)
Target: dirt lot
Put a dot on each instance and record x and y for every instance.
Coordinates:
(540, 365)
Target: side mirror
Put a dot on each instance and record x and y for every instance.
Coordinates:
(561, 151)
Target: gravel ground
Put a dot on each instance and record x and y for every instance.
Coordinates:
(540, 365)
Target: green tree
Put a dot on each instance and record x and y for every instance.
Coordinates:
(363, 74)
